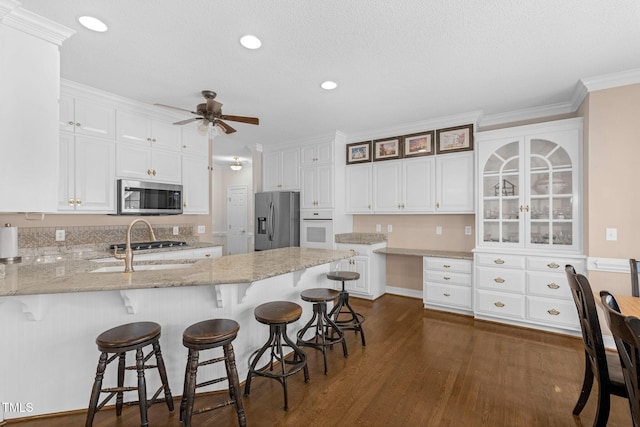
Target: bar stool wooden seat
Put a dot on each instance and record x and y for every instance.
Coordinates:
(206, 335)
(118, 341)
(277, 315)
(342, 313)
(321, 323)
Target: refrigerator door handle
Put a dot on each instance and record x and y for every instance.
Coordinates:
(272, 213)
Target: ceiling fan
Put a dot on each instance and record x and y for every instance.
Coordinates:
(211, 112)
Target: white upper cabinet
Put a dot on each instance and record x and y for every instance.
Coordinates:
(454, 183)
(281, 170)
(142, 129)
(404, 185)
(359, 189)
(193, 142)
(316, 187)
(145, 163)
(86, 117)
(195, 182)
(316, 154)
(530, 186)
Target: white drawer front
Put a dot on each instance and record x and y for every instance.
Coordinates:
(457, 296)
(553, 312)
(448, 264)
(498, 260)
(548, 285)
(445, 277)
(554, 264)
(499, 304)
(500, 279)
(364, 250)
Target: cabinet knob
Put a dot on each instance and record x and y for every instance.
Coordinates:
(207, 255)
(498, 304)
(71, 201)
(446, 294)
(70, 123)
(446, 266)
(78, 124)
(184, 146)
(153, 140)
(149, 172)
(438, 205)
(369, 206)
(447, 278)
(78, 201)
(184, 205)
(154, 172)
(148, 139)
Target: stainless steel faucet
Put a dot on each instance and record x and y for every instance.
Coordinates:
(127, 256)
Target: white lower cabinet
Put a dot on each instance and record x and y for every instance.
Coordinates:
(371, 266)
(527, 290)
(446, 284)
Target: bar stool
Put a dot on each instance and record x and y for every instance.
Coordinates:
(277, 315)
(350, 320)
(120, 340)
(321, 323)
(205, 335)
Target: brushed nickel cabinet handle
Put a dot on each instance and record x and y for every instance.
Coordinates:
(446, 266)
(498, 261)
(553, 286)
(207, 255)
(499, 280)
(553, 312)
(447, 278)
(498, 304)
(553, 265)
(446, 294)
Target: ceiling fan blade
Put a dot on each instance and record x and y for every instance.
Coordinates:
(213, 106)
(227, 129)
(249, 120)
(175, 108)
(184, 122)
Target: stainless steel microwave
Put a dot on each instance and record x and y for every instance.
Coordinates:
(148, 198)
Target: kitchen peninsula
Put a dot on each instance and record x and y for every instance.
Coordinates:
(52, 312)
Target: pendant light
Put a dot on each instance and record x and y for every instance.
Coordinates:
(237, 165)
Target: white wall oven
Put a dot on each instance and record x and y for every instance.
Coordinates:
(316, 230)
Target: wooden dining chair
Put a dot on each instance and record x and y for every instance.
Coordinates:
(599, 364)
(635, 291)
(626, 334)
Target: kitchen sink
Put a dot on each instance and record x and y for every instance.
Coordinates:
(147, 267)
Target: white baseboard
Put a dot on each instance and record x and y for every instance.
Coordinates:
(411, 293)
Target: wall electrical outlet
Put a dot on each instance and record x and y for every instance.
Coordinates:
(467, 230)
(60, 235)
(389, 228)
(378, 228)
(612, 234)
(176, 231)
(201, 229)
(438, 230)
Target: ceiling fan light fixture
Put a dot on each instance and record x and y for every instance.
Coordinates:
(203, 127)
(93, 24)
(328, 85)
(250, 42)
(237, 165)
(219, 130)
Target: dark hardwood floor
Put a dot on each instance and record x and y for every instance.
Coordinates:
(419, 368)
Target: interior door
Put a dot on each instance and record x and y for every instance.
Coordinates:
(237, 219)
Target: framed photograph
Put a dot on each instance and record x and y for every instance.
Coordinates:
(450, 140)
(386, 149)
(359, 152)
(418, 144)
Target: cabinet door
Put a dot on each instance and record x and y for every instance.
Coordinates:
(455, 183)
(193, 142)
(308, 180)
(358, 195)
(133, 127)
(133, 161)
(419, 185)
(94, 119)
(165, 135)
(387, 185)
(290, 165)
(67, 173)
(95, 180)
(166, 166)
(67, 117)
(360, 265)
(271, 171)
(195, 183)
(324, 153)
(324, 186)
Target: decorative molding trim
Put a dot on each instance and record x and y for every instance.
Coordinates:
(607, 81)
(579, 94)
(21, 19)
(611, 265)
(403, 292)
(527, 114)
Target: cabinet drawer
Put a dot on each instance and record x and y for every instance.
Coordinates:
(458, 296)
(445, 277)
(500, 261)
(548, 285)
(554, 312)
(553, 264)
(364, 250)
(501, 279)
(447, 264)
(499, 304)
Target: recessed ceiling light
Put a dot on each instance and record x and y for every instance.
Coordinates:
(250, 42)
(94, 24)
(329, 85)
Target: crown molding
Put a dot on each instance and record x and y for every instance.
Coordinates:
(607, 81)
(526, 114)
(14, 16)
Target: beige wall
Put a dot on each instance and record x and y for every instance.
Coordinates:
(417, 232)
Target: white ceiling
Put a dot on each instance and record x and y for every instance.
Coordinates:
(395, 61)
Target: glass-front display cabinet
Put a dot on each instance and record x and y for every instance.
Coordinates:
(529, 186)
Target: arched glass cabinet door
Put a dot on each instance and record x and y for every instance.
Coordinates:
(502, 194)
(551, 189)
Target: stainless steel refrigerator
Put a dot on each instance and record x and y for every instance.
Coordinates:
(277, 220)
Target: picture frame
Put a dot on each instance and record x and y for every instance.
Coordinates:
(387, 149)
(359, 152)
(454, 139)
(418, 144)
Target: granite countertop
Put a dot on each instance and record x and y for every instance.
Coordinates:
(69, 274)
(425, 252)
(361, 238)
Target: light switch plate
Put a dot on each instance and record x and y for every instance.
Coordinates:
(438, 230)
(176, 231)
(60, 235)
(389, 228)
(201, 229)
(467, 230)
(612, 234)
